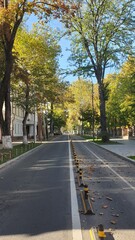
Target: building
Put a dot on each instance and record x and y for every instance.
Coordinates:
(17, 115)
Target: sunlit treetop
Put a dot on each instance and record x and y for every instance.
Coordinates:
(13, 10)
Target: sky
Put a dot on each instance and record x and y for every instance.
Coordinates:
(64, 43)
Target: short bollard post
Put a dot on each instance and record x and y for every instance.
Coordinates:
(77, 165)
(101, 233)
(77, 162)
(80, 173)
(86, 191)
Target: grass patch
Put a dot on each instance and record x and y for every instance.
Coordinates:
(87, 137)
(99, 140)
(106, 143)
(17, 150)
(132, 157)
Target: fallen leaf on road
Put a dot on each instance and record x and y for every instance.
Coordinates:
(101, 214)
(113, 222)
(92, 199)
(108, 198)
(104, 206)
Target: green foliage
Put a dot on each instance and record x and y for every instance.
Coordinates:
(102, 32)
(80, 112)
(36, 67)
(121, 102)
(59, 120)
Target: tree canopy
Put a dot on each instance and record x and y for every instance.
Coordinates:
(121, 102)
(102, 34)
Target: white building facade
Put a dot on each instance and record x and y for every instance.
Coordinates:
(17, 125)
(17, 115)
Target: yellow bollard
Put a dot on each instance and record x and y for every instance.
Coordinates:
(86, 190)
(80, 173)
(101, 233)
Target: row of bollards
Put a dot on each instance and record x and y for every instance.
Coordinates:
(86, 202)
(95, 233)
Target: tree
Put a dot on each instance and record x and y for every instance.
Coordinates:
(115, 118)
(102, 33)
(11, 16)
(82, 104)
(57, 96)
(126, 83)
(121, 101)
(34, 72)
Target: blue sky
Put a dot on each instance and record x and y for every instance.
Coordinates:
(64, 43)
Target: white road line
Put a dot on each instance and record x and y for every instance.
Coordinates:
(76, 224)
(118, 175)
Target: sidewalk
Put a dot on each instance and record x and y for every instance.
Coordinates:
(124, 147)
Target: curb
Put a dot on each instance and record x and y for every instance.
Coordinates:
(116, 154)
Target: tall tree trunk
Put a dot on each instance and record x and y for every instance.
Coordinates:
(104, 133)
(99, 71)
(40, 120)
(5, 121)
(6, 130)
(25, 139)
(51, 121)
(45, 128)
(8, 37)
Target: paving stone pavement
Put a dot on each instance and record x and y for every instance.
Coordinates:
(123, 147)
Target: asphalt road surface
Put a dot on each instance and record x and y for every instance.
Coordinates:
(111, 183)
(35, 196)
(38, 194)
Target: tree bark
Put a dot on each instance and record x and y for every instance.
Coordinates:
(5, 115)
(7, 37)
(40, 120)
(99, 73)
(51, 121)
(104, 133)
(25, 139)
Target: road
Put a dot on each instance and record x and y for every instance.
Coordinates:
(111, 182)
(35, 196)
(38, 195)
